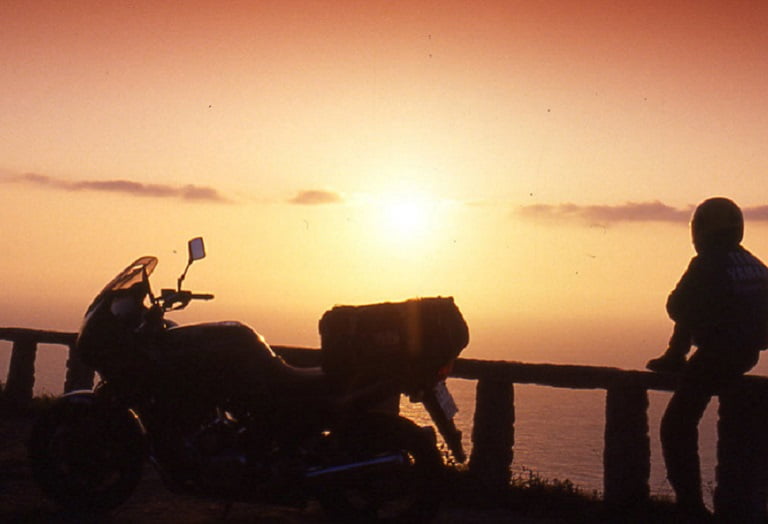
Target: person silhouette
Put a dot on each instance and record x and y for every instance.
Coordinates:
(720, 305)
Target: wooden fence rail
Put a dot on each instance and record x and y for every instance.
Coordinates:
(742, 448)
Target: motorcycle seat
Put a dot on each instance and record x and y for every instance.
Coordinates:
(302, 380)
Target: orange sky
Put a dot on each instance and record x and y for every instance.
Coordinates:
(538, 162)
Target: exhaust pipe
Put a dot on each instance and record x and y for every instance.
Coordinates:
(354, 467)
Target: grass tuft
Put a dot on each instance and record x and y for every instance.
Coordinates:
(530, 494)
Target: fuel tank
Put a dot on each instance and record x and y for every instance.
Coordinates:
(221, 338)
(216, 358)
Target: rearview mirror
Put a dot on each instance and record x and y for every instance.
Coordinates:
(196, 249)
(196, 252)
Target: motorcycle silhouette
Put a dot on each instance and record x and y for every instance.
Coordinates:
(220, 415)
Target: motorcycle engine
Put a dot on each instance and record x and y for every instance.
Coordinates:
(219, 453)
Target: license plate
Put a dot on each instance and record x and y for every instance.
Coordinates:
(445, 400)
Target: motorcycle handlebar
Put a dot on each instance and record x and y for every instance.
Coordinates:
(172, 299)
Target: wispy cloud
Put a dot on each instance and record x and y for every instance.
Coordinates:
(605, 214)
(187, 192)
(759, 213)
(314, 197)
(629, 212)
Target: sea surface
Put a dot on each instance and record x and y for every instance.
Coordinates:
(558, 432)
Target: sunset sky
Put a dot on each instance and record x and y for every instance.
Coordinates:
(538, 161)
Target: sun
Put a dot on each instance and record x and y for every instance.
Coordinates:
(406, 219)
(405, 216)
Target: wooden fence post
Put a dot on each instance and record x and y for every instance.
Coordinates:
(21, 372)
(627, 452)
(493, 432)
(742, 454)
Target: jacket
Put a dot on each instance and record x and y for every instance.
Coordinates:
(722, 301)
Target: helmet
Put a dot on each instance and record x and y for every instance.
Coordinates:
(717, 223)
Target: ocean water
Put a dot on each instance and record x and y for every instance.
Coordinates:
(558, 432)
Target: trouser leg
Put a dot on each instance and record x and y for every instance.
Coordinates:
(680, 442)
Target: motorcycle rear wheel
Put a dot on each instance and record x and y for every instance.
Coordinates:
(84, 458)
(407, 493)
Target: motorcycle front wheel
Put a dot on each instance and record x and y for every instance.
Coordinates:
(84, 458)
(408, 492)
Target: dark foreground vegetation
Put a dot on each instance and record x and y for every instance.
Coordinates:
(529, 498)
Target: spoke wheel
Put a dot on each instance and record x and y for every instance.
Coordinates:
(83, 458)
(404, 492)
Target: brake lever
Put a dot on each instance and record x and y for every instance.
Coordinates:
(170, 298)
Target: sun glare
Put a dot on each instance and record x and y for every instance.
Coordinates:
(405, 216)
(404, 220)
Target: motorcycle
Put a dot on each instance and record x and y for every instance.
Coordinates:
(220, 415)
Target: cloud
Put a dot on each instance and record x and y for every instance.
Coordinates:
(127, 187)
(628, 212)
(605, 214)
(757, 213)
(313, 197)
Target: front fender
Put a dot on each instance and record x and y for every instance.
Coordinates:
(84, 400)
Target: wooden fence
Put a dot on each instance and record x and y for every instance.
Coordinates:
(742, 450)
(21, 369)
